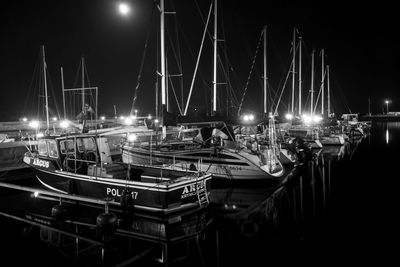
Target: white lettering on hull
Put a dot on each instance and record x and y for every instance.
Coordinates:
(192, 189)
(116, 193)
(41, 163)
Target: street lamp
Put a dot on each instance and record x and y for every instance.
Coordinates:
(387, 106)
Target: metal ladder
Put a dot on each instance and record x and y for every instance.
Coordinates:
(202, 196)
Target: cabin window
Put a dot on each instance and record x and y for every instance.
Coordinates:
(42, 148)
(86, 144)
(52, 146)
(67, 147)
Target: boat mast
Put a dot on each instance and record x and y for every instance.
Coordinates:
(265, 72)
(322, 83)
(312, 82)
(294, 66)
(162, 53)
(329, 92)
(45, 90)
(83, 83)
(215, 59)
(63, 92)
(300, 75)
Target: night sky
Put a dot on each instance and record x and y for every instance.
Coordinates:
(360, 40)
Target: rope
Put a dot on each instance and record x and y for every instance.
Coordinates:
(248, 77)
(141, 67)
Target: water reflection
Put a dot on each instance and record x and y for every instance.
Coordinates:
(242, 222)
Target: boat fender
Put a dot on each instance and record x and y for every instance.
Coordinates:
(107, 223)
(60, 212)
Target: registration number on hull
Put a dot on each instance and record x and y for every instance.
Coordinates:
(116, 193)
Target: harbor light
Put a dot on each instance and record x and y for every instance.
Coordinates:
(124, 9)
(64, 124)
(317, 118)
(54, 118)
(156, 121)
(289, 116)
(387, 105)
(102, 118)
(307, 119)
(24, 119)
(128, 121)
(121, 117)
(132, 137)
(149, 117)
(34, 124)
(36, 194)
(248, 117)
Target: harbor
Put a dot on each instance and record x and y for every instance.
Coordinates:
(323, 210)
(202, 133)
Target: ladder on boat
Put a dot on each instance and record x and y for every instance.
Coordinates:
(202, 196)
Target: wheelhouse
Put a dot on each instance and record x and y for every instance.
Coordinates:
(70, 153)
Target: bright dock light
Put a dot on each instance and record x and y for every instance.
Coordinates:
(289, 116)
(128, 121)
(34, 124)
(64, 124)
(132, 137)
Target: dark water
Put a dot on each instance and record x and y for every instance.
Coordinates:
(331, 211)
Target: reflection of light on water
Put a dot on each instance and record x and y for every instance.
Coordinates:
(387, 136)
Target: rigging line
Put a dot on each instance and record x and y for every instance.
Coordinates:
(319, 92)
(179, 67)
(286, 79)
(226, 71)
(53, 92)
(210, 36)
(179, 62)
(283, 89)
(139, 77)
(251, 70)
(188, 45)
(197, 62)
(176, 98)
(31, 86)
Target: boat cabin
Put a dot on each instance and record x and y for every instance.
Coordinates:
(74, 153)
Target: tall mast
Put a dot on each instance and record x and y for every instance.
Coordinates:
(265, 72)
(45, 89)
(215, 58)
(162, 52)
(312, 82)
(63, 92)
(294, 66)
(83, 83)
(329, 92)
(322, 83)
(166, 83)
(300, 75)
